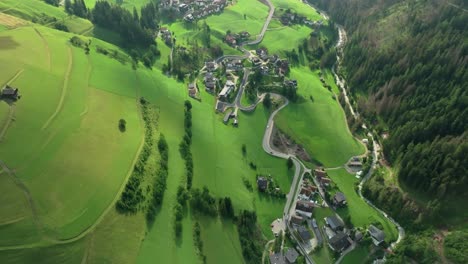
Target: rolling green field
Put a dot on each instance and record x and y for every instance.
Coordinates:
(320, 124)
(299, 7)
(63, 144)
(360, 212)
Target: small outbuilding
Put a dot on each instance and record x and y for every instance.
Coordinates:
(291, 255)
(377, 235)
(339, 199)
(9, 92)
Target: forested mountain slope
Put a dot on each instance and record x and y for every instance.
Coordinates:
(406, 62)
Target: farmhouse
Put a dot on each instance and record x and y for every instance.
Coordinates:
(227, 116)
(339, 242)
(355, 162)
(220, 106)
(228, 87)
(296, 219)
(377, 235)
(339, 199)
(9, 92)
(210, 66)
(262, 183)
(304, 234)
(210, 82)
(231, 40)
(291, 255)
(320, 172)
(334, 223)
(233, 65)
(277, 258)
(305, 206)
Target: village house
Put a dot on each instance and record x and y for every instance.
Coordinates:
(210, 82)
(233, 65)
(277, 258)
(9, 92)
(230, 40)
(264, 70)
(244, 35)
(296, 219)
(290, 83)
(220, 106)
(339, 242)
(256, 61)
(210, 66)
(355, 162)
(304, 234)
(339, 199)
(262, 53)
(282, 67)
(192, 88)
(377, 235)
(291, 255)
(334, 223)
(227, 89)
(262, 183)
(166, 35)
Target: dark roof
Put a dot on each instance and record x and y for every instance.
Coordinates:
(304, 233)
(296, 219)
(305, 206)
(8, 90)
(334, 222)
(376, 233)
(262, 183)
(339, 242)
(291, 255)
(339, 197)
(277, 258)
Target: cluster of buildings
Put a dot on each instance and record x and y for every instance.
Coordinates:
(291, 18)
(234, 39)
(270, 63)
(322, 177)
(193, 10)
(10, 93)
(267, 185)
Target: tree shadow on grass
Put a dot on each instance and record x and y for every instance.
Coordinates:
(6, 42)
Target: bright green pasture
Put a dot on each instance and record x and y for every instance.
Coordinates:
(360, 212)
(34, 9)
(65, 136)
(285, 38)
(232, 18)
(299, 7)
(129, 4)
(320, 124)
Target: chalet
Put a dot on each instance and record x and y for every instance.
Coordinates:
(262, 53)
(189, 17)
(210, 66)
(183, 8)
(231, 40)
(296, 219)
(320, 173)
(192, 88)
(339, 242)
(355, 162)
(210, 82)
(272, 59)
(290, 83)
(358, 236)
(305, 191)
(339, 199)
(304, 234)
(234, 65)
(262, 183)
(220, 106)
(377, 235)
(227, 89)
(244, 35)
(277, 258)
(334, 223)
(166, 35)
(227, 117)
(305, 206)
(291, 255)
(256, 61)
(9, 92)
(282, 67)
(264, 70)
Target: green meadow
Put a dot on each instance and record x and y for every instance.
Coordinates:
(319, 123)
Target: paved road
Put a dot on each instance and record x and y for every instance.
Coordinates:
(265, 25)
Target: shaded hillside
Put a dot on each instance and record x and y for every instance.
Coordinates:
(406, 61)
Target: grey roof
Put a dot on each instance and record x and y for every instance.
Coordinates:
(262, 183)
(291, 255)
(339, 241)
(8, 90)
(376, 233)
(334, 222)
(358, 235)
(304, 233)
(339, 197)
(277, 258)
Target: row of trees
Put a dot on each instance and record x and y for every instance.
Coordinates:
(159, 185)
(181, 204)
(132, 196)
(184, 146)
(250, 237)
